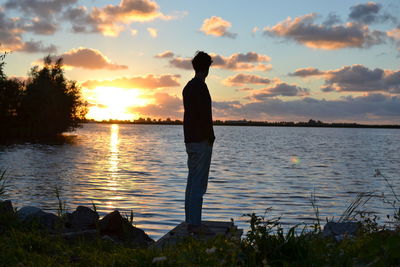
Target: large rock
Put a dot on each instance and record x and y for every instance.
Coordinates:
(340, 230)
(83, 218)
(79, 235)
(34, 215)
(6, 207)
(114, 225)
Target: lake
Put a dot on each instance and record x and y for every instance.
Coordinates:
(142, 168)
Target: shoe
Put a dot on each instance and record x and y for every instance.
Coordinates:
(201, 229)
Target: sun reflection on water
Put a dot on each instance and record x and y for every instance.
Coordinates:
(114, 151)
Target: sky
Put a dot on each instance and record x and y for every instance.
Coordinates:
(334, 61)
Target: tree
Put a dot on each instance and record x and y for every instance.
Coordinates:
(11, 91)
(51, 104)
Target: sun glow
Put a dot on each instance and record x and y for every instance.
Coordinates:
(114, 103)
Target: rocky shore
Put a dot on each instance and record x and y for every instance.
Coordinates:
(84, 223)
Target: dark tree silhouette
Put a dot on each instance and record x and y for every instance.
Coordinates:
(11, 91)
(51, 104)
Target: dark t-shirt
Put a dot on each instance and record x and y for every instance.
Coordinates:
(197, 120)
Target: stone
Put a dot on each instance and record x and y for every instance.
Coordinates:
(27, 211)
(83, 218)
(6, 207)
(85, 234)
(340, 230)
(31, 215)
(114, 225)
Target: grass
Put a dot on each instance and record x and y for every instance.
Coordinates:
(3, 183)
(265, 244)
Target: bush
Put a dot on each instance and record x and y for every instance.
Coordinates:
(46, 105)
(51, 104)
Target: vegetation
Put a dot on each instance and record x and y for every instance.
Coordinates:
(45, 105)
(265, 244)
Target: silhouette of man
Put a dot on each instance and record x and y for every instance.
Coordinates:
(199, 139)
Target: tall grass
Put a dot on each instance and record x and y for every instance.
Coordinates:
(394, 202)
(3, 183)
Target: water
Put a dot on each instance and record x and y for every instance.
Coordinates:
(143, 168)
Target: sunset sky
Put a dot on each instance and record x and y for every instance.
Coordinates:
(273, 60)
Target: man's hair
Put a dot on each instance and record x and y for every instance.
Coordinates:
(201, 61)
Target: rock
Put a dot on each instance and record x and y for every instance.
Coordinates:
(27, 211)
(340, 230)
(85, 234)
(33, 215)
(114, 225)
(6, 207)
(83, 218)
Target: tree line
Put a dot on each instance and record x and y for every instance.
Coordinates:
(45, 105)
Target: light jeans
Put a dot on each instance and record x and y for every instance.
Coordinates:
(199, 159)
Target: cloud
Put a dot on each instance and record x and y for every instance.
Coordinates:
(395, 33)
(250, 61)
(181, 63)
(165, 54)
(238, 61)
(144, 82)
(165, 106)
(134, 32)
(89, 58)
(242, 79)
(280, 89)
(369, 13)
(110, 20)
(305, 31)
(395, 36)
(43, 9)
(306, 72)
(37, 47)
(218, 27)
(11, 38)
(41, 27)
(358, 78)
(331, 20)
(153, 32)
(372, 108)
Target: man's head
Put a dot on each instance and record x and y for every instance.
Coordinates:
(201, 62)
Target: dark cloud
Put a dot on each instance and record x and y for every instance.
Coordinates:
(37, 47)
(358, 78)
(41, 8)
(373, 108)
(239, 62)
(369, 13)
(331, 20)
(41, 27)
(181, 63)
(305, 31)
(280, 89)
(144, 82)
(306, 72)
(241, 79)
(11, 31)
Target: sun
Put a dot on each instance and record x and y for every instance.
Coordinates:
(114, 103)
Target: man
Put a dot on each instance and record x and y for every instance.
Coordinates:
(199, 139)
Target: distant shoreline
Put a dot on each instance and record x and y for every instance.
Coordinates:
(310, 123)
